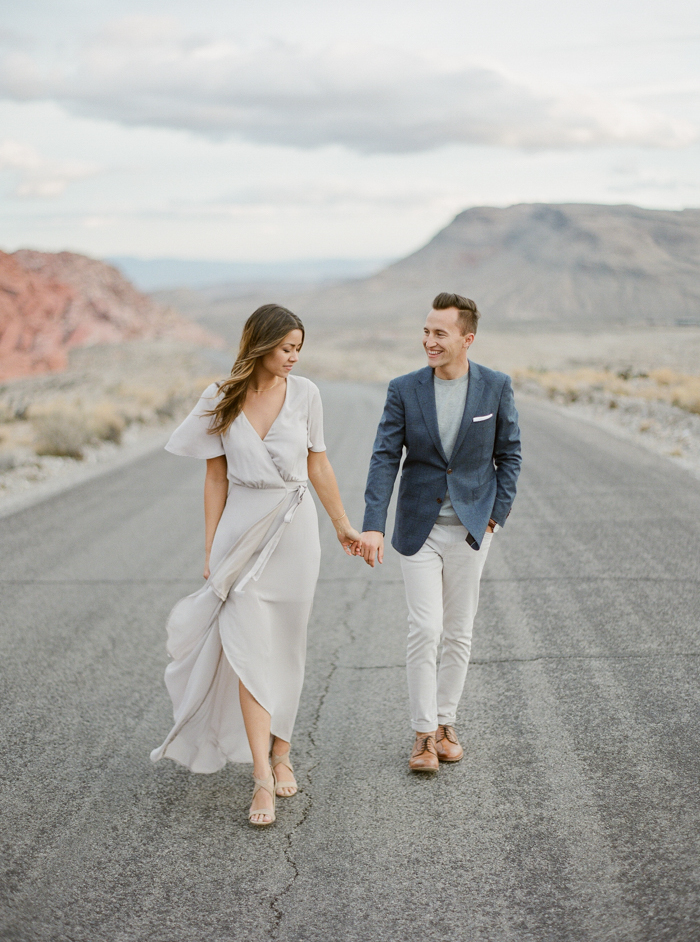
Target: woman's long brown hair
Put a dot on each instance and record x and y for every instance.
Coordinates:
(265, 329)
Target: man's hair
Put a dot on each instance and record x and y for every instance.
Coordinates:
(468, 316)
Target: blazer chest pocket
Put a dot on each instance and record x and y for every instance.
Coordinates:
(482, 418)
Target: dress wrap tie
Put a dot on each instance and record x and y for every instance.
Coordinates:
(232, 565)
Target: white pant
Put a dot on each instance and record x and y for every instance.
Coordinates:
(442, 591)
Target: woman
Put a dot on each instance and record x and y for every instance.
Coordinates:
(239, 643)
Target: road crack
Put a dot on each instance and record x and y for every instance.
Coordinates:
(474, 662)
(348, 638)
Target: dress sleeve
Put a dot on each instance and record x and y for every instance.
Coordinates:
(192, 437)
(315, 420)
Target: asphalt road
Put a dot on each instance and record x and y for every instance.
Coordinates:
(574, 815)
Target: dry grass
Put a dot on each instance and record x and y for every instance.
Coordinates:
(105, 391)
(64, 428)
(660, 385)
(62, 434)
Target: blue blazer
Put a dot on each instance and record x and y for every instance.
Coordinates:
(480, 476)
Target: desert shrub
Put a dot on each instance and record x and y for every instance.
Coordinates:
(661, 385)
(64, 428)
(104, 422)
(146, 396)
(170, 407)
(686, 394)
(664, 376)
(61, 433)
(146, 403)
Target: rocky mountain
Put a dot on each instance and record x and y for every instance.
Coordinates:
(566, 267)
(50, 303)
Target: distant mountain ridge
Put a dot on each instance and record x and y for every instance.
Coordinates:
(158, 274)
(568, 266)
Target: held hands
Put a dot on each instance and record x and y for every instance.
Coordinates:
(369, 545)
(372, 547)
(348, 537)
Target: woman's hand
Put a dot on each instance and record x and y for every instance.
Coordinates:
(323, 479)
(349, 538)
(207, 571)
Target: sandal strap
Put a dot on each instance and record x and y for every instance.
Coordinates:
(270, 812)
(266, 784)
(282, 759)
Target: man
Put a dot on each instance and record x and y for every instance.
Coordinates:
(458, 425)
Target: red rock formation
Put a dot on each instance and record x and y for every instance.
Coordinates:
(50, 303)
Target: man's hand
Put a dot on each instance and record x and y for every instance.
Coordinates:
(492, 524)
(373, 547)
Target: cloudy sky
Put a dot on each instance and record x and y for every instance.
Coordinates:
(317, 129)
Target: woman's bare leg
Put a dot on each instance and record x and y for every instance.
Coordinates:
(286, 783)
(257, 727)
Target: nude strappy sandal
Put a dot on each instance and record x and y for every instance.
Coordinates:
(268, 784)
(283, 760)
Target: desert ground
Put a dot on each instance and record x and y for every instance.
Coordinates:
(114, 400)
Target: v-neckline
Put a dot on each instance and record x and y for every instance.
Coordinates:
(274, 421)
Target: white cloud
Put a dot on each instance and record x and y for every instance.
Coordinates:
(630, 179)
(37, 175)
(370, 99)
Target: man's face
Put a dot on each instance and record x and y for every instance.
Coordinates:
(443, 339)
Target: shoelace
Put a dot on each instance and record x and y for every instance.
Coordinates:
(424, 746)
(448, 733)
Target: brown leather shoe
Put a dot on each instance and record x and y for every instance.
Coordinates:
(424, 757)
(447, 744)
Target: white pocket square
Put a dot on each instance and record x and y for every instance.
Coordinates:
(482, 418)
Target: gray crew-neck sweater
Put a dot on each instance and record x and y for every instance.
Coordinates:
(450, 400)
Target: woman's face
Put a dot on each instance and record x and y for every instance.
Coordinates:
(280, 361)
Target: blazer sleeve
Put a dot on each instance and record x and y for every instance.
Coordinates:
(506, 454)
(385, 461)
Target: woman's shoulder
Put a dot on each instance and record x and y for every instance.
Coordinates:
(212, 390)
(303, 385)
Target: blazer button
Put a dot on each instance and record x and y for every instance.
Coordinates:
(449, 470)
(439, 500)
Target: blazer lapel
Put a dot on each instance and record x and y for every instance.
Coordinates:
(425, 391)
(474, 393)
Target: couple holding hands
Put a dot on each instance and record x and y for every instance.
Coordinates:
(238, 645)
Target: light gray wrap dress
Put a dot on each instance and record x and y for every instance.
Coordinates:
(248, 621)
